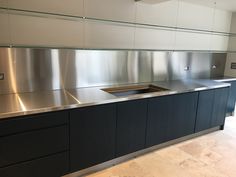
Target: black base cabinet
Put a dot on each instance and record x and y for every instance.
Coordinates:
(92, 136)
(131, 126)
(171, 117)
(159, 115)
(204, 112)
(183, 117)
(232, 97)
(220, 106)
(51, 166)
(211, 108)
(35, 146)
(58, 143)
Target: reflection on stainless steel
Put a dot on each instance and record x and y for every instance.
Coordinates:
(224, 79)
(217, 65)
(41, 80)
(44, 101)
(30, 70)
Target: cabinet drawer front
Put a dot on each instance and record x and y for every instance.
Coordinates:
(51, 166)
(30, 145)
(27, 123)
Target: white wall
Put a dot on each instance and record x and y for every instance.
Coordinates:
(39, 31)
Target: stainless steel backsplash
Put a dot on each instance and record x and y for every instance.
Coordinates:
(28, 70)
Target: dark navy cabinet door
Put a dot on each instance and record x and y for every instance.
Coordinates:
(35, 145)
(159, 114)
(182, 121)
(131, 126)
(171, 117)
(50, 166)
(219, 108)
(92, 135)
(232, 97)
(205, 108)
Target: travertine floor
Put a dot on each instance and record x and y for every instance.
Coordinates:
(212, 155)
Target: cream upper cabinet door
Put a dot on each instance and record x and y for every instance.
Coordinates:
(232, 39)
(219, 43)
(119, 10)
(232, 44)
(69, 7)
(108, 35)
(164, 13)
(222, 23)
(147, 38)
(4, 26)
(192, 41)
(39, 31)
(195, 16)
(233, 23)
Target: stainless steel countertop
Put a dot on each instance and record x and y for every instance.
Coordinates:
(225, 79)
(12, 105)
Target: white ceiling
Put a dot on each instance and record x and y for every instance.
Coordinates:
(229, 5)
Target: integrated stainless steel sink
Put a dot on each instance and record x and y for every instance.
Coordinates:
(133, 89)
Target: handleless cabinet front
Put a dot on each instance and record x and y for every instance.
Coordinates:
(159, 114)
(232, 97)
(131, 126)
(219, 108)
(184, 110)
(34, 142)
(92, 135)
(170, 117)
(204, 111)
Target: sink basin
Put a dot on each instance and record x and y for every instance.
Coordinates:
(134, 89)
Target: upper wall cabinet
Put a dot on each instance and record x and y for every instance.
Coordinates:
(108, 35)
(70, 7)
(4, 25)
(232, 43)
(233, 23)
(152, 38)
(164, 13)
(120, 10)
(39, 31)
(219, 42)
(222, 21)
(192, 41)
(195, 16)
(232, 40)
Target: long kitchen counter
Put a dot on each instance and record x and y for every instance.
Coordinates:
(12, 105)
